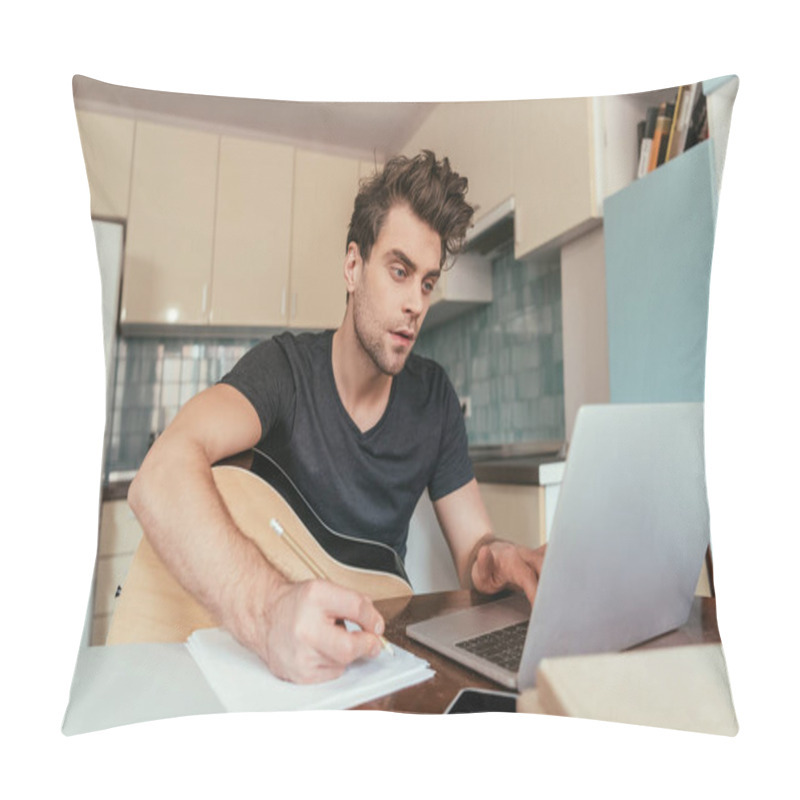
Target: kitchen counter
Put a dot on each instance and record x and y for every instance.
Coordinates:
(527, 464)
(116, 490)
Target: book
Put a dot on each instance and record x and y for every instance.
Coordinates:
(647, 141)
(698, 122)
(663, 125)
(673, 139)
(243, 682)
(684, 107)
(672, 128)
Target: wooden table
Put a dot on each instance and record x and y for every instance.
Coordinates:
(435, 695)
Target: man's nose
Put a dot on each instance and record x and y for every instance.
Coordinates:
(414, 299)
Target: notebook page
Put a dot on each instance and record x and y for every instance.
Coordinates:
(242, 682)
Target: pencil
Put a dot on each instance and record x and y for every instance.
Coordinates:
(306, 559)
(386, 646)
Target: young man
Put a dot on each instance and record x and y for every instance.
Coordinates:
(362, 427)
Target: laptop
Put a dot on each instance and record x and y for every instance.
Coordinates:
(624, 554)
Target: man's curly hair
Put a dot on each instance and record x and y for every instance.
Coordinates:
(430, 188)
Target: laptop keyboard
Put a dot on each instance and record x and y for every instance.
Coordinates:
(502, 646)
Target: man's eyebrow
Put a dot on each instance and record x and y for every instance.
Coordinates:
(395, 252)
(401, 256)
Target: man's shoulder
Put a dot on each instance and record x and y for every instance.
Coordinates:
(303, 345)
(419, 366)
(423, 374)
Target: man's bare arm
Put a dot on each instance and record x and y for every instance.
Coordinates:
(292, 627)
(482, 560)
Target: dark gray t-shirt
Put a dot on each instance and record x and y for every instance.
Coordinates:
(361, 484)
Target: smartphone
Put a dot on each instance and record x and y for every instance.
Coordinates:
(472, 701)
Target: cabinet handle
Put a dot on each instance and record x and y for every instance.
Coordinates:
(283, 303)
(294, 305)
(205, 296)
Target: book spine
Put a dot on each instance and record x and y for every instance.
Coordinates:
(647, 142)
(666, 123)
(685, 120)
(644, 158)
(657, 136)
(673, 128)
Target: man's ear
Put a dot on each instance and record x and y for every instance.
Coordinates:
(353, 265)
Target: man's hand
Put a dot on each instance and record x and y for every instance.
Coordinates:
(500, 564)
(302, 638)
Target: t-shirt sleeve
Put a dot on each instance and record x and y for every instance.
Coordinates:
(453, 466)
(263, 375)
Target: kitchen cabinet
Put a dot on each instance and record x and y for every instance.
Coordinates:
(231, 232)
(252, 233)
(120, 534)
(517, 512)
(475, 138)
(107, 143)
(556, 183)
(170, 237)
(320, 220)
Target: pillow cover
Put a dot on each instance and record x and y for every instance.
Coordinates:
(213, 218)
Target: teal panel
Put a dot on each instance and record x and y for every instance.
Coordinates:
(659, 239)
(715, 83)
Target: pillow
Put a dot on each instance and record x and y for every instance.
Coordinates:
(220, 222)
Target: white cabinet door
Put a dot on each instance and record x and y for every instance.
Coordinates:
(107, 143)
(253, 233)
(324, 189)
(169, 243)
(555, 180)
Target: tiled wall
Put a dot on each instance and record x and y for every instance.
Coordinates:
(507, 356)
(153, 379)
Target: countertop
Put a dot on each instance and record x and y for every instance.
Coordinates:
(533, 463)
(116, 489)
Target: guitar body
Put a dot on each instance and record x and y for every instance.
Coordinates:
(269, 510)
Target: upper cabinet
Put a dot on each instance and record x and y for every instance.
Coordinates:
(107, 143)
(253, 233)
(555, 175)
(324, 189)
(222, 230)
(170, 238)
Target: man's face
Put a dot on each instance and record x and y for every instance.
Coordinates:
(391, 292)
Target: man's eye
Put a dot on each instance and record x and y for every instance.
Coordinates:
(399, 272)
(429, 286)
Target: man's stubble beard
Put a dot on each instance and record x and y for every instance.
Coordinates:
(372, 344)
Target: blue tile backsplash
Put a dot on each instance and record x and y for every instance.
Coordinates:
(154, 378)
(506, 356)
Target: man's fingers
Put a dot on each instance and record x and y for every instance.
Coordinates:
(529, 584)
(340, 603)
(484, 566)
(534, 558)
(332, 641)
(341, 647)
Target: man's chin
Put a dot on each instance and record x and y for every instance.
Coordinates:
(393, 364)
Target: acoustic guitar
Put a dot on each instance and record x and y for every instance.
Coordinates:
(270, 510)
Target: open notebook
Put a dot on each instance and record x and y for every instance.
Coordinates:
(242, 682)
